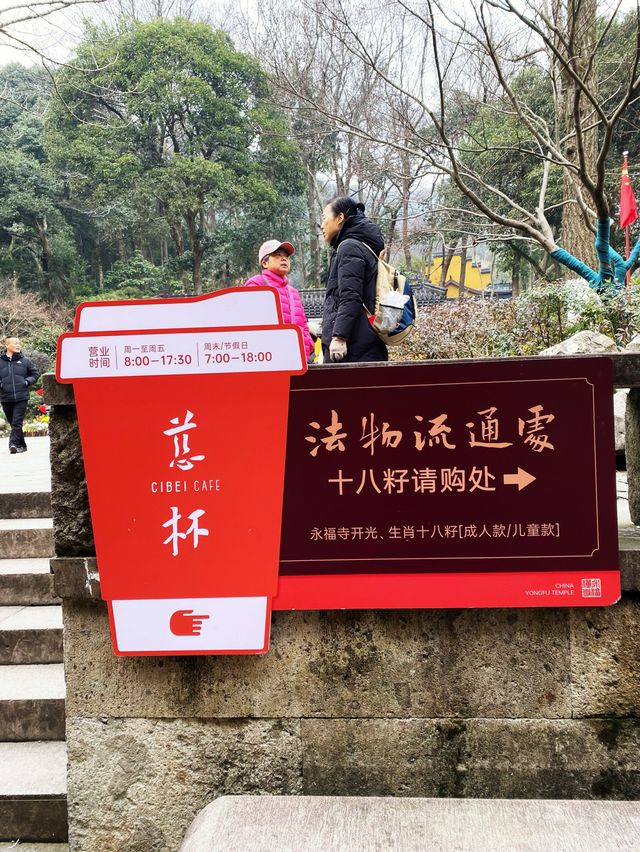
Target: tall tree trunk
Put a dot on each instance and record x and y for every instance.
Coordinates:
(463, 263)
(577, 236)
(340, 187)
(44, 256)
(515, 275)
(122, 249)
(301, 266)
(492, 274)
(44, 244)
(406, 187)
(314, 237)
(194, 222)
(177, 236)
(447, 257)
(392, 232)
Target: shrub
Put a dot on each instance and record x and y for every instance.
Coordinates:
(466, 328)
(542, 317)
(24, 315)
(619, 315)
(140, 275)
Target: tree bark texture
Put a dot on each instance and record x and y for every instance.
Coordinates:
(580, 15)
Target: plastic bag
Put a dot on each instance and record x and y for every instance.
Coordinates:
(389, 312)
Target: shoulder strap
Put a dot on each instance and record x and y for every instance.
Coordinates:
(361, 242)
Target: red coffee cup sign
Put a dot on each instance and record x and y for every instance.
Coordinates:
(184, 436)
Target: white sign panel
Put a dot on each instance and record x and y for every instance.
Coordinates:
(175, 353)
(190, 624)
(243, 306)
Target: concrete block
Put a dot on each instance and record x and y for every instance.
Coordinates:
(135, 785)
(56, 394)
(489, 663)
(629, 542)
(632, 452)
(28, 719)
(32, 703)
(478, 758)
(378, 824)
(79, 577)
(69, 499)
(76, 577)
(26, 538)
(33, 818)
(34, 504)
(30, 635)
(26, 582)
(605, 653)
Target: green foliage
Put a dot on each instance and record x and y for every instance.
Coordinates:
(546, 308)
(618, 45)
(139, 275)
(36, 246)
(126, 292)
(172, 120)
(619, 316)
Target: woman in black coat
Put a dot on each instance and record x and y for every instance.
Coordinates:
(347, 334)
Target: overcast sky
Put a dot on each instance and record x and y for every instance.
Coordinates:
(56, 35)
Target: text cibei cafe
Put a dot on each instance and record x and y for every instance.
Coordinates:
(255, 484)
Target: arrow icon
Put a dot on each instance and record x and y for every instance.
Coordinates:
(521, 479)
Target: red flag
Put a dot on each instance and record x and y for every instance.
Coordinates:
(628, 207)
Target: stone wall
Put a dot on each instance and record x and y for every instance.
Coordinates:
(540, 703)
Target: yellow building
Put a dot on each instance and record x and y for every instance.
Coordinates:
(476, 278)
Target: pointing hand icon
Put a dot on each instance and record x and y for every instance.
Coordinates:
(184, 623)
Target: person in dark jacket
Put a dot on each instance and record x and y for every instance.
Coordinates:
(347, 334)
(17, 375)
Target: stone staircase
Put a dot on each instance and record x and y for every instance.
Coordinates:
(33, 759)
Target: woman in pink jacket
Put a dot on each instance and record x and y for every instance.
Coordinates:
(273, 257)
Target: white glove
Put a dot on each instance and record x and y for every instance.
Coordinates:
(337, 349)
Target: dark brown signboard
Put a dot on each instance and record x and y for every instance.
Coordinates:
(451, 484)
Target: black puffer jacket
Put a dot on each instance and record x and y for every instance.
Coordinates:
(352, 284)
(17, 374)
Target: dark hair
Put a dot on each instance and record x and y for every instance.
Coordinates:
(344, 204)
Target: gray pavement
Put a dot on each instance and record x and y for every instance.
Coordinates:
(25, 472)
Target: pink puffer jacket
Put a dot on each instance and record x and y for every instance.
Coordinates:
(292, 309)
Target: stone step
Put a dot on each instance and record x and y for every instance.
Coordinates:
(30, 504)
(33, 791)
(26, 538)
(34, 847)
(30, 634)
(32, 702)
(26, 582)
